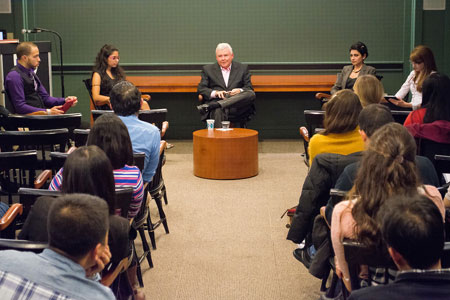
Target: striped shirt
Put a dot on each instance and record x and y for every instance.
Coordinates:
(128, 176)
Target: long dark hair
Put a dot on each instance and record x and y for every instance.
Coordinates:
(387, 168)
(88, 170)
(101, 63)
(111, 135)
(341, 112)
(436, 98)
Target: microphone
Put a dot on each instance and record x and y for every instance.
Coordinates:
(35, 30)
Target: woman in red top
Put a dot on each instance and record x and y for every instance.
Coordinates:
(435, 101)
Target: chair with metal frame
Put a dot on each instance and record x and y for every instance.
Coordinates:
(80, 137)
(43, 140)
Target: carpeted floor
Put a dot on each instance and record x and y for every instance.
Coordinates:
(226, 239)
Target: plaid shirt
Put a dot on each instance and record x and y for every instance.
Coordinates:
(16, 287)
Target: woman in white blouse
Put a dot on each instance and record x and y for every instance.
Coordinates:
(422, 60)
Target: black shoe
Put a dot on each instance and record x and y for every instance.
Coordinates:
(203, 109)
(302, 256)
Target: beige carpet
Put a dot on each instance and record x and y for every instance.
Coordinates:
(226, 239)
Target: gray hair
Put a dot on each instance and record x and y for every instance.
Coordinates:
(223, 46)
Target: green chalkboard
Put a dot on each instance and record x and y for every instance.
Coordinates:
(260, 31)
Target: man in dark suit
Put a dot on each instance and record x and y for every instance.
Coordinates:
(413, 230)
(225, 87)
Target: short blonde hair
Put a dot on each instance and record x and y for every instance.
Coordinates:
(369, 89)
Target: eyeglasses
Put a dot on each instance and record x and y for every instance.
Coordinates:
(115, 57)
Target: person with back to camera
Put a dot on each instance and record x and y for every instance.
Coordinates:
(86, 170)
(369, 90)
(25, 90)
(413, 232)
(105, 75)
(145, 137)
(387, 168)
(435, 101)
(78, 248)
(422, 60)
(341, 134)
(111, 135)
(346, 79)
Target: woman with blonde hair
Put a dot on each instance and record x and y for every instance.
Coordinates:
(369, 90)
(422, 60)
(341, 134)
(387, 168)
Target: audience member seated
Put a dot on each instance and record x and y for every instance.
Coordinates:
(346, 79)
(145, 137)
(86, 170)
(78, 249)
(369, 90)
(341, 134)
(25, 90)
(225, 85)
(423, 63)
(370, 119)
(111, 135)
(435, 101)
(413, 230)
(105, 75)
(325, 171)
(387, 168)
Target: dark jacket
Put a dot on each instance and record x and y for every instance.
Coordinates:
(325, 170)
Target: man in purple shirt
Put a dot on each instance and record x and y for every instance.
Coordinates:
(25, 90)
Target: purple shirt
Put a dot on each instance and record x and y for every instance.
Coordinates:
(14, 85)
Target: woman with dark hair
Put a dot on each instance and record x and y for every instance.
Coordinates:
(387, 168)
(346, 79)
(422, 60)
(87, 170)
(435, 101)
(111, 135)
(341, 134)
(105, 75)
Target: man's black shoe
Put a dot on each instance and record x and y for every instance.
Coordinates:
(203, 109)
(302, 256)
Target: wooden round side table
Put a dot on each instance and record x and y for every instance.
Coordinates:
(231, 154)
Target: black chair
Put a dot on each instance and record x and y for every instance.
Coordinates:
(40, 122)
(430, 149)
(18, 169)
(154, 116)
(28, 196)
(157, 191)
(22, 245)
(314, 124)
(43, 140)
(80, 137)
(400, 115)
(139, 160)
(98, 112)
(235, 116)
(58, 159)
(357, 254)
(88, 84)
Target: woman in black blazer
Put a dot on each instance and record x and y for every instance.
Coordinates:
(346, 79)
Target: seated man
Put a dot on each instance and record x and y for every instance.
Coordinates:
(125, 101)
(78, 249)
(413, 230)
(225, 86)
(25, 90)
